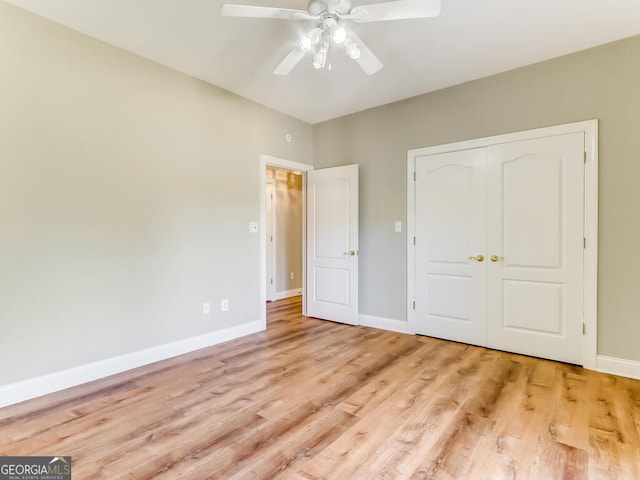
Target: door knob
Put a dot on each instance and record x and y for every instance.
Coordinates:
(495, 258)
(353, 253)
(477, 258)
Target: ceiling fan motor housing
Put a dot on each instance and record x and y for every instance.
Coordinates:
(316, 7)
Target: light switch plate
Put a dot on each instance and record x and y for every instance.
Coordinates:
(398, 226)
(253, 227)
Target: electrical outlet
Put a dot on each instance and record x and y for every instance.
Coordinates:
(206, 308)
(224, 305)
(291, 276)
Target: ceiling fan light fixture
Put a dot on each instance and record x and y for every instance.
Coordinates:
(340, 35)
(314, 35)
(352, 49)
(318, 61)
(305, 43)
(320, 57)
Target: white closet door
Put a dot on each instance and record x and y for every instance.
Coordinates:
(450, 206)
(535, 229)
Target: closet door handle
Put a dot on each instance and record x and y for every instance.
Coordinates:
(495, 258)
(477, 258)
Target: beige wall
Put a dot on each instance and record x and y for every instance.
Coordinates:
(288, 202)
(126, 190)
(599, 83)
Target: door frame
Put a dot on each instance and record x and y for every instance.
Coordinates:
(265, 160)
(590, 259)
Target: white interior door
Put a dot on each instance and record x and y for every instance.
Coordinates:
(535, 239)
(450, 283)
(332, 244)
(270, 232)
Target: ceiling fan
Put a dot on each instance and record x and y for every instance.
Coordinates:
(330, 17)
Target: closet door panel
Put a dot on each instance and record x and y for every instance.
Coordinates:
(535, 235)
(450, 209)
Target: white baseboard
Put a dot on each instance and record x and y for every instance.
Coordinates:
(618, 366)
(288, 293)
(383, 323)
(53, 382)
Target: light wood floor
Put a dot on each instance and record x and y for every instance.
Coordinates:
(311, 399)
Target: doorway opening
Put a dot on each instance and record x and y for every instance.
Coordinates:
(283, 243)
(284, 233)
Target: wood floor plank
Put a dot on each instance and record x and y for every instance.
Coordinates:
(462, 444)
(517, 427)
(311, 399)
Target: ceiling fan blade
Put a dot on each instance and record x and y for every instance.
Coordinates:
(250, 11)
(396, 10)
(367, 60)
(290, 61)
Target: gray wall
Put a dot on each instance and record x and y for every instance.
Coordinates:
(599, 83)
(126, 190)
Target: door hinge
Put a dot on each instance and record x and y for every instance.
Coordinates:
(271, 238)
(414, 240)
(414, 304)
(272, 281)
(414, 176)
(585, 157)
(584, 329)
(584, 242)
(272, 196)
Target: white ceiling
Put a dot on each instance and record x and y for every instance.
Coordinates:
(471, 39)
